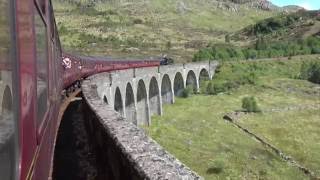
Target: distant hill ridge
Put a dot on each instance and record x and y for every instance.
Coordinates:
(265, 5)
(222, 4)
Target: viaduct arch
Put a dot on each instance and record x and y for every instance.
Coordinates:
(142, 104)
(118, 105)
(204, 75)
(139, 93)
(130, 108)
(178, 84)
(192, 81)
(154, 97)
(166, 90)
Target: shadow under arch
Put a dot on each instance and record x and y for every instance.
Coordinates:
(6, 101)
(118, 101)
(8, 136)
(105, 99)
(130, 109)
(204, 75)
(178, 84)
(166, 91)
(154, 97)
(192, 80)
(142, 105)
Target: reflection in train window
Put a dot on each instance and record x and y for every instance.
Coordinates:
(42, 67)
(8, 124)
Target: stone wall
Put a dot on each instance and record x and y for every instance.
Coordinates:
(124, 150)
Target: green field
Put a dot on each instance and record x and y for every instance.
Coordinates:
(149, 28)
(194, 131)
(296, 132)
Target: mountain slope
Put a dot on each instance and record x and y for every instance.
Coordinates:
(151, 28)
(285, 27)
(285, 35)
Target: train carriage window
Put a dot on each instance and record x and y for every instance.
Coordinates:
(8, 118)
(52, 21)
(42, 66)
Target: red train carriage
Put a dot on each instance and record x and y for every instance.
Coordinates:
(77, 67)
(71, 69)
(33, 74)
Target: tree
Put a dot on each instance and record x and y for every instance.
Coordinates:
(261, 43)
(310, 72)
(187, 92)
(249, 104)
(210, 88)
(168, 45)
(227, 38)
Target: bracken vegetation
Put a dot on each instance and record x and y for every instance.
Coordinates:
(285, 35)
(194, 131)
(148, 28)
(268, 63)
(261, 49)
(310, 72)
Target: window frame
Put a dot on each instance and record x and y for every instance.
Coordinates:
(15, 91)
(41, 123)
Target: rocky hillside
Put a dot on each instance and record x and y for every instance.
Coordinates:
(151, 27)
(255, 4)
(285, 35)
(285, 27)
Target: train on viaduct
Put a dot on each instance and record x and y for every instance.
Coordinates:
(35, 72)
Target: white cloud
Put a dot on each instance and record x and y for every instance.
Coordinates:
(305, 5)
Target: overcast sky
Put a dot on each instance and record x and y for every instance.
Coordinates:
(307, 4)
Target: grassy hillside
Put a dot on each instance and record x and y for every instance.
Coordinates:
(284, 27)
(150, 28)
(284, 35)
(194, 131)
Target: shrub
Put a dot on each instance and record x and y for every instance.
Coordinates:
(187, 91)
(210, 88)
(62, 29)
(216, 167)
(310, 72)
(304, 71)
(219, 88)
(315, 74)
(137, 21)
(168, 45)
(315, 50)
(249, 78)
(203, 86)
(232, 85)
(249, 104)
(227, 38)
(203, 54)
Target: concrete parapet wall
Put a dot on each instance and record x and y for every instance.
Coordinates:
(124, 150)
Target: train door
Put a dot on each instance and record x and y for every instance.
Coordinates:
(42, 65)
(45, 89)
(9, 134)
(53, 58)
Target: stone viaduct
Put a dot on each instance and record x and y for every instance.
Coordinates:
(113, 100)
(139, 93)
